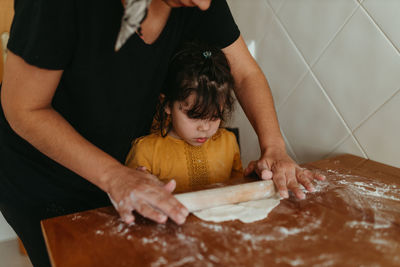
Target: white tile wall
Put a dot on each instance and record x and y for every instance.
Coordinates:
(6, 233)
(333, 67)
(310, 37)
(386, 16)
(380, 134)
(314, 130)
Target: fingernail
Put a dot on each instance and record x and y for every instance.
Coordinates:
(181, 219)
(128, 219)
(284, 194)
(184, 214)
(162, 218)
(266, 175)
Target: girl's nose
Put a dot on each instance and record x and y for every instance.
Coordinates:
(203, 126)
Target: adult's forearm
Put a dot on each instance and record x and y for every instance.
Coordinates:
(26, 98)
(255, 97)
(51, 134)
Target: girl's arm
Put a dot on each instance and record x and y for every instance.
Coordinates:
(254, 95)
(26, 98)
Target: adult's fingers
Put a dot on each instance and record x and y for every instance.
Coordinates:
(170, 186)
(162, 200)
(250, 168)
(149, 212)
(319, 176)
(202, 4)
(311, 175)
(125, 210)
(260, 167)
(292, 183)
(280, 182)
(153, 179)
(304, 178)
(263, 170)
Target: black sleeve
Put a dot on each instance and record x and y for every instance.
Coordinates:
(215, 26)
(43, 32)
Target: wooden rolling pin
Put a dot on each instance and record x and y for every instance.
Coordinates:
(209, 198)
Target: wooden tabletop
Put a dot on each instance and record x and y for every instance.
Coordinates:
(352, 219)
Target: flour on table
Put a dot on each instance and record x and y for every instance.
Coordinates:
(246, 212)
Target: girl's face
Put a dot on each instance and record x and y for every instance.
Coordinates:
(194, 131)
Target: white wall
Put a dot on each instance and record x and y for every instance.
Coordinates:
(6, 232)
(334, 71)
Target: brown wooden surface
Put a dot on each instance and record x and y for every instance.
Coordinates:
(353, 219)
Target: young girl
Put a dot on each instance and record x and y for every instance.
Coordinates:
(188, 145)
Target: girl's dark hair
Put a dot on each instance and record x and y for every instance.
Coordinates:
(203, 70)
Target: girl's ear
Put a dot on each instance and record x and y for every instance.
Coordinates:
(167, 109)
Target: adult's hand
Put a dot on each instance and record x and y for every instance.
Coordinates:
(201, 4)
(276, 164)
(141, 191)
(26, 98)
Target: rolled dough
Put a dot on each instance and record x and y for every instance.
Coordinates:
(246, 212)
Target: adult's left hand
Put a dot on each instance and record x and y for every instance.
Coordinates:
(277, 165)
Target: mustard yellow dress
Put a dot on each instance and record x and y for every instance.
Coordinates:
(217, 160)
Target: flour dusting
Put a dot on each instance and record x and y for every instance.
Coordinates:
(353, 207)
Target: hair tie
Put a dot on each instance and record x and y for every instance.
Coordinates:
(207, 54)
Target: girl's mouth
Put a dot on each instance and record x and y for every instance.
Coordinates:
(201, 140)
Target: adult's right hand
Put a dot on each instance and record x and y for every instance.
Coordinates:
(136, 190)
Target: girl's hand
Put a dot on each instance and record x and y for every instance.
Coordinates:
(276, 164)
(139, 190)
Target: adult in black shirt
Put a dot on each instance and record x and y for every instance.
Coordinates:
(71, 106)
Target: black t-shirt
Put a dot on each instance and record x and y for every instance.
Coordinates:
(108, 97)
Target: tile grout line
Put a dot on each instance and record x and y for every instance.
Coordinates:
(274, 13)
(309, 66)
(346, 21)
(338, 113)
(280, 24)
(398, 51)
(300, 80)
(314, 76)
(341, 141)
(376, 110)
(267, 5)
(379, 28)
(278, 9)
(360, 6)
(393, 95)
